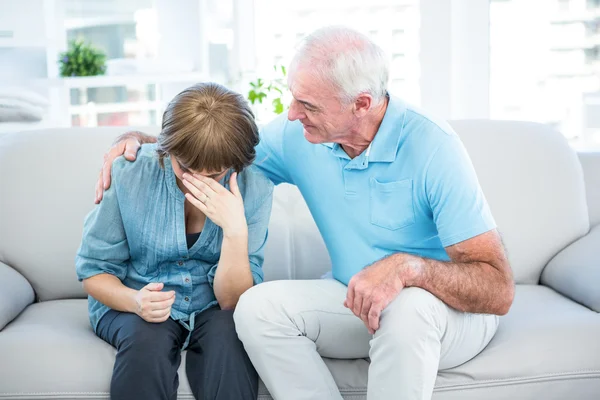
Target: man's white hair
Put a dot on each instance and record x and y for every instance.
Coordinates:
(346, 59)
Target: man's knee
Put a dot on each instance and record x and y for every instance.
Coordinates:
(413, 313)
(254, 307)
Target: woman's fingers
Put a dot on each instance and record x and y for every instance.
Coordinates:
(196, 203)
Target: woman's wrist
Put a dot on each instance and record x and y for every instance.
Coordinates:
(240, 232)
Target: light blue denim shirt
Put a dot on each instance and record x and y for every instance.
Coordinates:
(137, 233)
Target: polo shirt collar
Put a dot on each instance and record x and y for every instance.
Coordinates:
(385, 144)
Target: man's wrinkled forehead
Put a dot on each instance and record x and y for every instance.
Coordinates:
(308, 90)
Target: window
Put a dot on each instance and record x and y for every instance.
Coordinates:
(393, 24)
(154, 48)
(545, 65)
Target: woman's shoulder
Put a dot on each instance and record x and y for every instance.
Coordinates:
(146, 162)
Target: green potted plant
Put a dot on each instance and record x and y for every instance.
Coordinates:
(82, 59)
(274, 90)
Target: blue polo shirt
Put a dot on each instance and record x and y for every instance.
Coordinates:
(413, 191)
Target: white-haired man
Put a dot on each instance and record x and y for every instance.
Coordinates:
(420, 273)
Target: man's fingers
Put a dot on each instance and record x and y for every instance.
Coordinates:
(131, 148)
(106, 167)
(358, 302)
(363, 313)
(128, 148)
(350, 295)
(374, 317)
(99, 189)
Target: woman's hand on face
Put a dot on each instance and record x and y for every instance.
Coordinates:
(225, 208)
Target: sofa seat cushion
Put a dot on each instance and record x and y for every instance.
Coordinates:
(50, 352)
(546, 347)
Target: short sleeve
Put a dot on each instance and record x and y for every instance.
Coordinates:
(270, 151)
(460, 210)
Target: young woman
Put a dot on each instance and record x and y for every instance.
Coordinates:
(178, 237)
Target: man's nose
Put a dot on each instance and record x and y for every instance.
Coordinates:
(294, 112)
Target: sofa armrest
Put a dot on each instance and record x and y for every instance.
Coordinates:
(15, 294)
(575, 271)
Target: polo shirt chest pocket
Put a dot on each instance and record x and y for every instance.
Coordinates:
(391, 204)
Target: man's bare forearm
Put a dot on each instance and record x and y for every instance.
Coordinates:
(475, 287)
(233, 275)
(140, 136)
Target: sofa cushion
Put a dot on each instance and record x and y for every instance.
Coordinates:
(590, 161)
(50, 351)
(545, 338)
(48, 179)
(534, 185)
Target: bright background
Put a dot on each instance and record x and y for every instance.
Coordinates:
(536, 60)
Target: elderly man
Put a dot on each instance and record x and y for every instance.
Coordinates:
(420, 273)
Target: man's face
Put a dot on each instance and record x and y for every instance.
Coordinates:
(315, 104)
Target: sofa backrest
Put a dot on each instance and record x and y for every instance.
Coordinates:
(47, 183)
(534, 184)
(532, 179)
(590, 161)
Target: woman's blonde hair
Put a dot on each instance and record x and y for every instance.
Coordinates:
(208, 127)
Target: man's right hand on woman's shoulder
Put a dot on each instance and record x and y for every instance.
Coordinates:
(127, 144)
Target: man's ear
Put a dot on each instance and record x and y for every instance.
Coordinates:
(362, 104)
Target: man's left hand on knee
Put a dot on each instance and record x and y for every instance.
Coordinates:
(372, 289)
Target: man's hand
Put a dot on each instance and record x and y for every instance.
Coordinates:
(373, 289)
(152, 305)
(127, 144)
(225, 208)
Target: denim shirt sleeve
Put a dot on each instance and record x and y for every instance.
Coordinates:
(258, 223)
(104, 247)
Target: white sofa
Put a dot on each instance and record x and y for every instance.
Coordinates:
(544, 196)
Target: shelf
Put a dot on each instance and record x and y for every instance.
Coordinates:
(109, 108)
(12, 127)
(125, 80)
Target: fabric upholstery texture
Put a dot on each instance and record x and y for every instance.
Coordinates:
(590, 161)
(575, 271)
(15, 294)
(534, 184)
